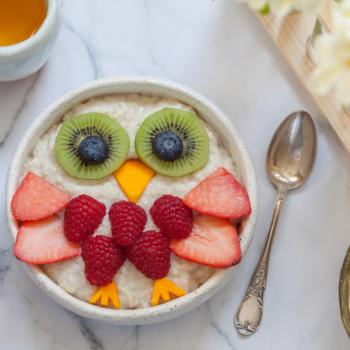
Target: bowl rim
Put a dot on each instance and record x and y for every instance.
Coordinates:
(141, 85)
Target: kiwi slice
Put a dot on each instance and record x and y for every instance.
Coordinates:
(91, 146)
(172, 142)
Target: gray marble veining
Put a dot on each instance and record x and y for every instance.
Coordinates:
(5, 263)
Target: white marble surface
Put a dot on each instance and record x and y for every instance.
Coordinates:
(218, 48)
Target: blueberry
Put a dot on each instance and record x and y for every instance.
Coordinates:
(93, 150)
(167, 145)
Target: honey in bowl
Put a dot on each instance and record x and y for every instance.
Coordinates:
(20, 19)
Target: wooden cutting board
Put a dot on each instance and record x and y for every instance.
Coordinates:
(290, 35)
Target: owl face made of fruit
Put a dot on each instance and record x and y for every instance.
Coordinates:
(198, 227)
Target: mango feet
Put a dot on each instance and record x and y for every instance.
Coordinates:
(162, 290)
(105, 295)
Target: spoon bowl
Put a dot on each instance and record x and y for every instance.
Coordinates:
(292, 152)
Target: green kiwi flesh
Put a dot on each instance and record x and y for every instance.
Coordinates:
(74, 130)
(192, 133)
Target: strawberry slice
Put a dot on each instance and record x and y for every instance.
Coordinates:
(36, 199)
(213, 242)
(221, 195)
(44, 242)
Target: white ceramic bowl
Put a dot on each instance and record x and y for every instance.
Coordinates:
(22, 59)
(208, 112)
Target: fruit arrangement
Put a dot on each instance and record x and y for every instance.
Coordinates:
(172, 142)
(196, 228)
(91, 146)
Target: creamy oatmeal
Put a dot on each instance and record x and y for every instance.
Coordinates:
(134, 288)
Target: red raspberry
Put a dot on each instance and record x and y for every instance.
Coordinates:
(82, 217)
(174, 219)
(128, 221)
(102, 259)
(151, 254)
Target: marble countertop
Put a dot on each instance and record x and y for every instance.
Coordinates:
(218, 48)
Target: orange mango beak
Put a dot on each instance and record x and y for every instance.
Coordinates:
(133, 177)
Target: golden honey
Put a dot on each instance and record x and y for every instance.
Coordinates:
(20, 19)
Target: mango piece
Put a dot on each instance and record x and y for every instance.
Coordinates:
(133, 177)
(106, 294)
(163, 288)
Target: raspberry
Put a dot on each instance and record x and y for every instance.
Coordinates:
(151, 254)
(102, 259)
(128, 221)
(82, 217)
(174, 219)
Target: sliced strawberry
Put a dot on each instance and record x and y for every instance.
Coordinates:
(221, 195)
(44, 242)
(36, 199)
(213, 242)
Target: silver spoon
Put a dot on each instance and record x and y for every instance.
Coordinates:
(289, 162)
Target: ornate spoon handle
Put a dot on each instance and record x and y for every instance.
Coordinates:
(249, 314)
